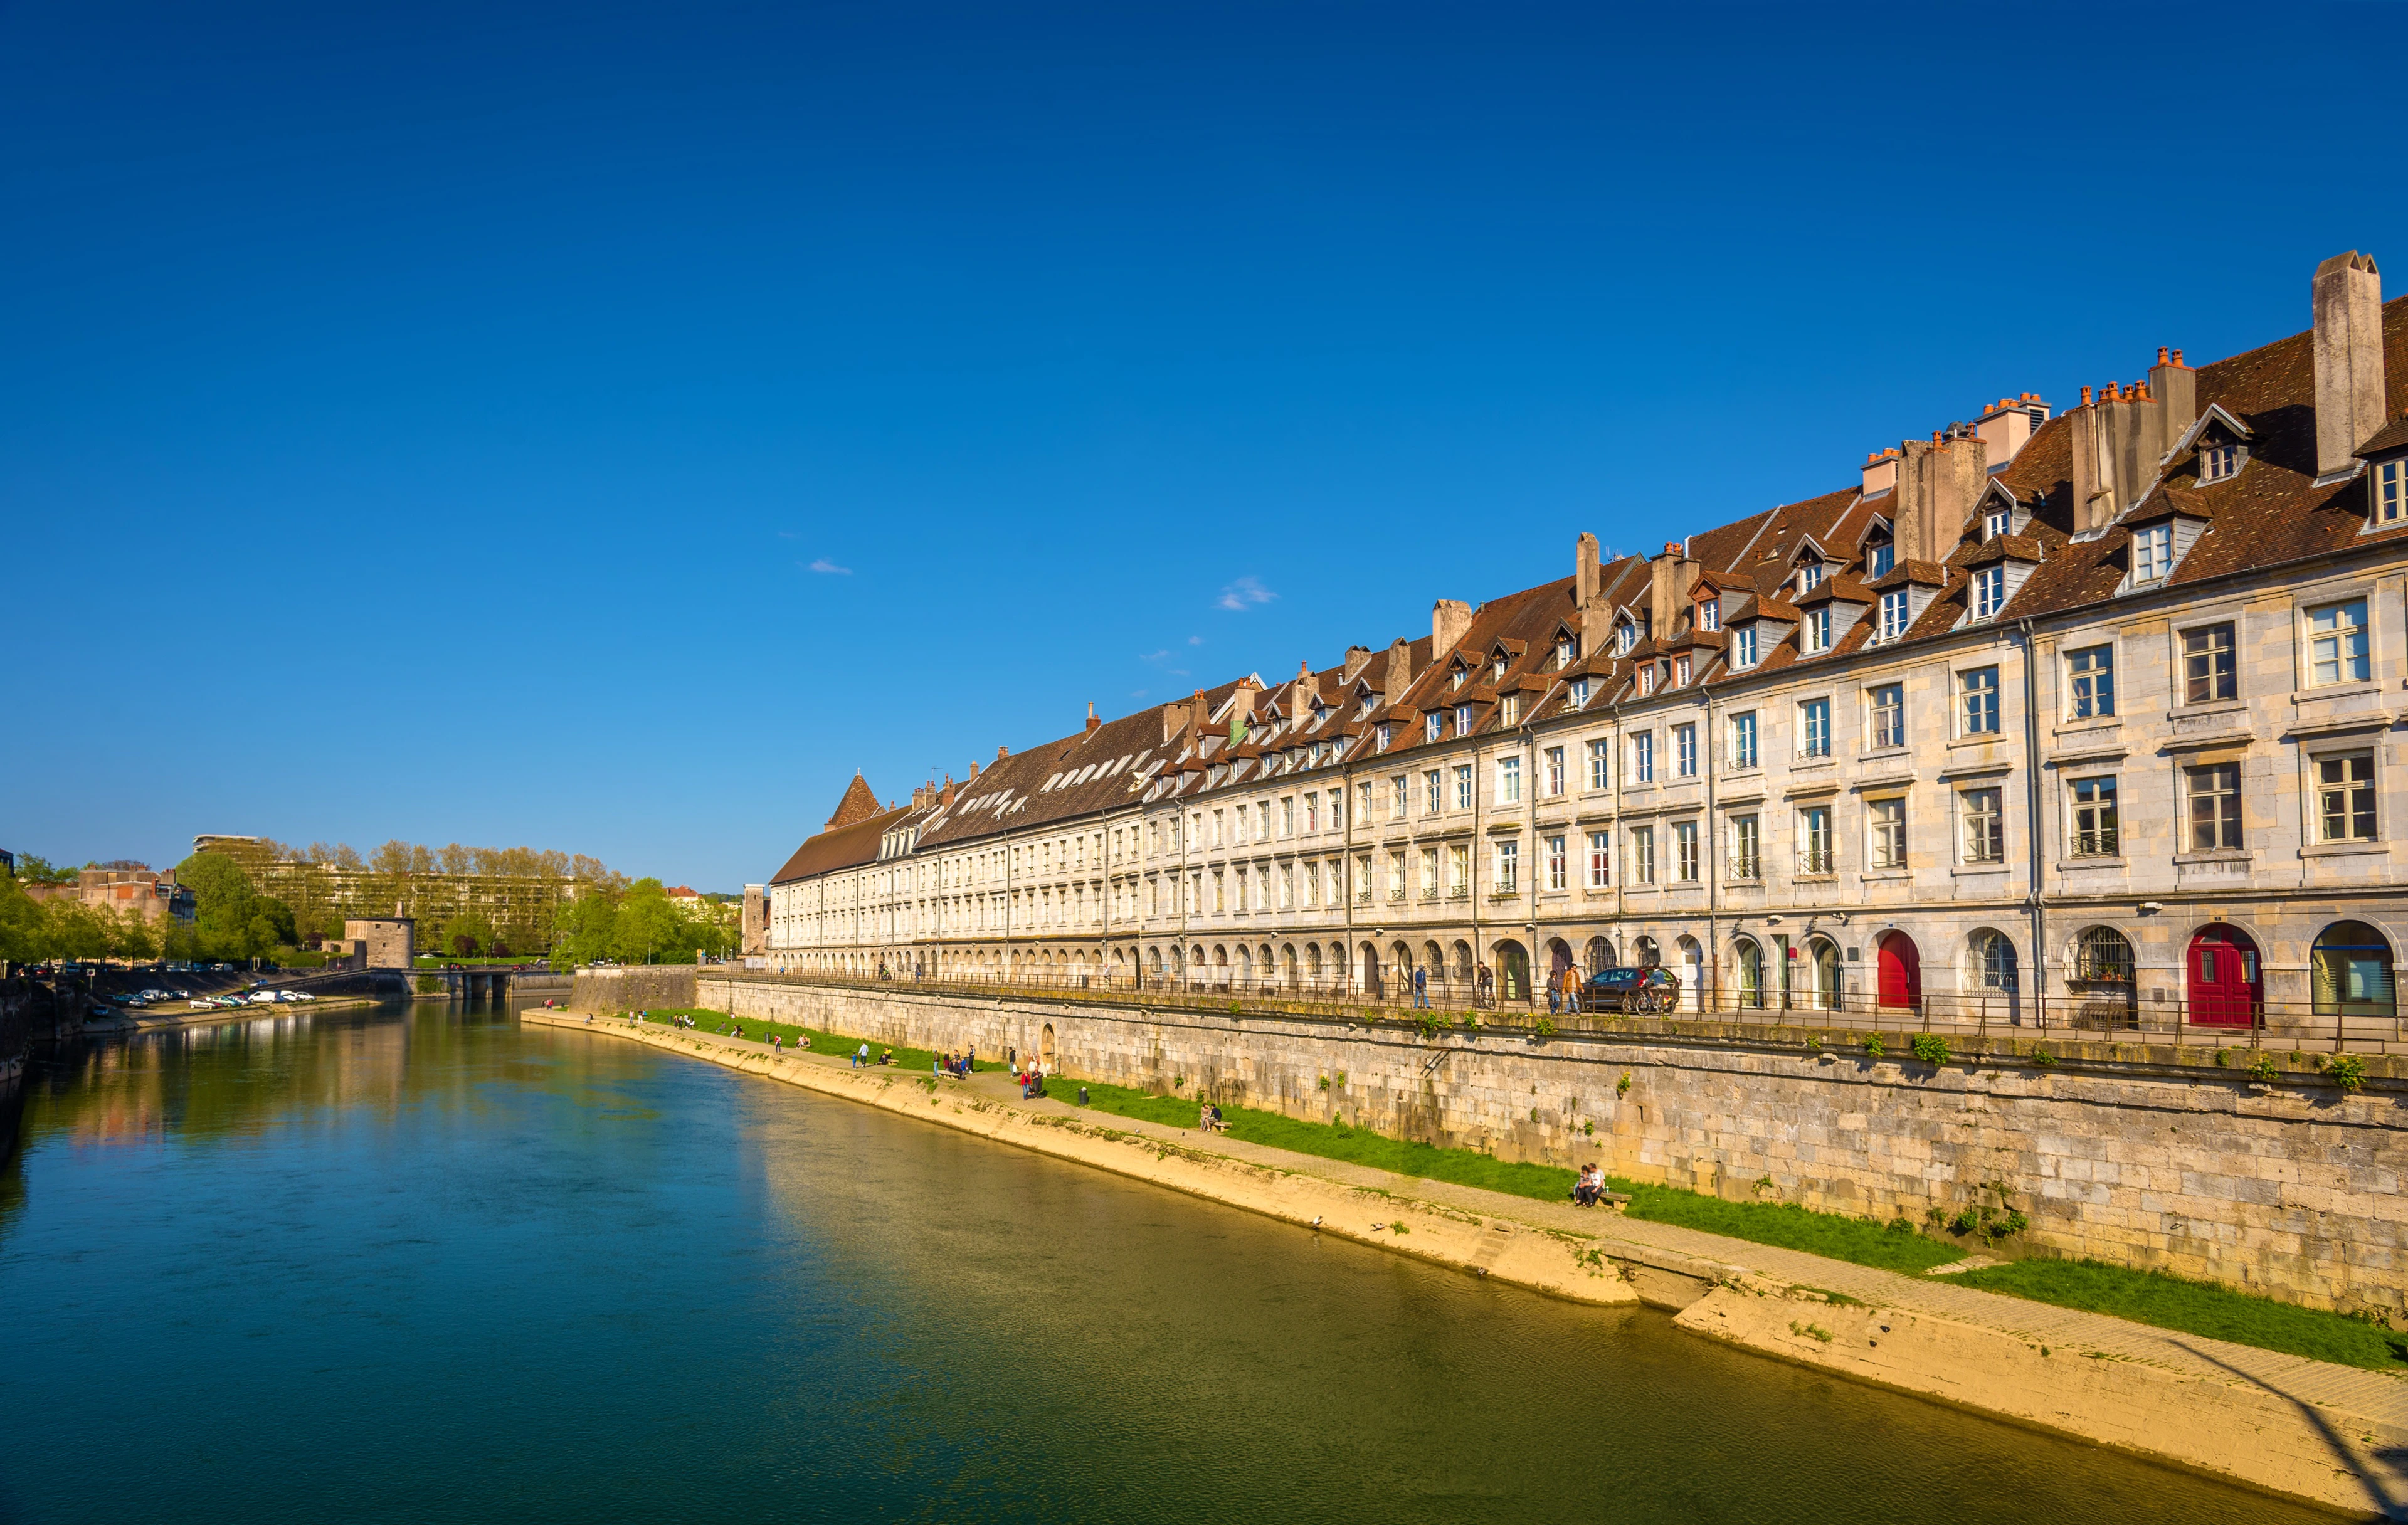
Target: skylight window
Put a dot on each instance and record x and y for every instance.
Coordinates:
(2217, 462)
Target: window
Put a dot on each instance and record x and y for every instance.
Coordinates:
(1463, 786)
(1684, 851)
(1553, 759)
(2215, 790)
(2337, 650)
(1563, 653)
(1977, 693)
(1880, 559)
(1989, 592)
(1710, 614)
(1508, 867)
(1893, 615)
(2217, 462)
(1814, 728)
(2208, 673)
(1996, 521)
(1458, 871)
(2345, 798)
(1578, 692)
(1556, 865)
(1990, 962)
(1600, 766)
(2091, 677)
(1509, 781)
(1814, 631)
(1887, 820)
(1601, 859)
(1742, 739)
(1362, 879)
(1642, 757)
(1815, 840)
(2094, 817)
(1287, 816)
(1463, 720)
(2153, 553)
(1625, 635)
(1397, 876)
(1685, 751)
(1397, 792)
(1509, 709)
(1312, 812)
(1809, 576)
(1382, 735)
(1642, 854)
(1647, 678)
(1287, 886)
(1980, 837)
(2391, 492)
(1430, 873)
(1743, 646)
(1746, 847)
(1888, 702)
(1455, 680)
(2349, 971)
(1679, 672)
(1433, 800)
(1433, 726)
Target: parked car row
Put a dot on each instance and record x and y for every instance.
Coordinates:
(150, 998)
(255, 998)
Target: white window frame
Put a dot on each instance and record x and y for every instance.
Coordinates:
(2090, 692)
(1509, 781)
(1601, 859)
(1989, 592)
(1885, 832)
(1743, 647)
(1814, 727)
(1976, 703)
(1685, 750)
(2322, 789)
(1893, 615)
(2351, 645)
(1745, 739)
(2153, 553)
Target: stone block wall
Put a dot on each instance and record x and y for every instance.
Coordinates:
(2134, 1155)
(633, 987)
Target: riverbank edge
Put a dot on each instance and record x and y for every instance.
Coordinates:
(126, 1024)
(2239, 1430)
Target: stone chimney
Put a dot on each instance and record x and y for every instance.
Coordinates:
(1939, 481)
(1356, 657)
(1673, 577)
(1584, 571)
(2175, 386)
(1399, 675)
(2008, 425)
(1175, 718)
(2349, 340)
(1450, 621)
(2119, 437)
(945, 797)
(1093, 724)
(1880, 474)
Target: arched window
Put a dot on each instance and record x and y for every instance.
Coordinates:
(2350, 971)
(1644, 953)
(1826, 957)
(1990, 964)
(1313, 962)
(1599, 955)
(1693, 973)
(1463, 961)
(2099, 973)
(1749, 957)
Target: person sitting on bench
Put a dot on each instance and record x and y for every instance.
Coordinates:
(1590, 1186)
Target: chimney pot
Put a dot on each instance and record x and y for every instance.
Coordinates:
(2086, 396)
(2178, 359)
(2161, 355)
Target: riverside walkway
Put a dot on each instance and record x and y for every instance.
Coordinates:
(2351, 1422)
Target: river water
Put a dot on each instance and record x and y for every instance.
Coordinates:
(428, 1265)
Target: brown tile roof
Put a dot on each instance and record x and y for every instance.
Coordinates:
(859, 804)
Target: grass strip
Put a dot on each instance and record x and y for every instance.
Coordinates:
(821, 1042)
(1861, 1240)
(2175, 1302)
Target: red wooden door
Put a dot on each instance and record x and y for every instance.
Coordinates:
(2223, 979)
(1901, 972)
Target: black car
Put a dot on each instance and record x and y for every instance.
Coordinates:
(1653, 989)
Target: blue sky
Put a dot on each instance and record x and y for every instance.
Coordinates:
(606, 427)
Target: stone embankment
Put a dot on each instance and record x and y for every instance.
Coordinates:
(634, 987)
(2330, 1434)
(2148, 1157)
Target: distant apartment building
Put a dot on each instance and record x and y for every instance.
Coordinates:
(2088, 716)
(522, 908)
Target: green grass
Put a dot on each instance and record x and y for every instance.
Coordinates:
(2152, 1297)
(1857, 1240)
(920, 1060)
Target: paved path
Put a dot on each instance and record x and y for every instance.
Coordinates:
(2375, 1395)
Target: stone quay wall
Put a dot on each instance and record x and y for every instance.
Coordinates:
(632, 988)
(2148, 1157)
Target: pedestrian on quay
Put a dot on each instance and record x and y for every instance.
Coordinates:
(1421, 988)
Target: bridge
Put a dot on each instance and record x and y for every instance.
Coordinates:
(489, 981)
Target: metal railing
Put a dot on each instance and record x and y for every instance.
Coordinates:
(2305, 1026)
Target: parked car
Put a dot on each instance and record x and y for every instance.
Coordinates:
(1627, 989)
(208, 1005)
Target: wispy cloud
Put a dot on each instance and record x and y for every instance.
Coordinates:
(788, 535)
(1196, 641)
(1242, 595)
(823, 565)
(1153, 656)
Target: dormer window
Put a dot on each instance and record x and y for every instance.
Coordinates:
(1880, 559)
(1989, 592)
(2218, 461)
(1892, 614)
(1386, 733)
(1509, 709)
(1433, 726)
(1463, 720)
(1564, 653)
(1710, 614)
(2391, 493)
(1578, 692)
(1680, 672)
(1496, 669)
(1626, 634)
(1456, 681)
(1815, 630)
(1996, 521)
(1647, 678)
(2153, 553)
(1743, 646)
(1809, 576)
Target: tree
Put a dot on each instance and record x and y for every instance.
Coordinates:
(647, 926)
(33, 869)
(223, 903)
(21, 925)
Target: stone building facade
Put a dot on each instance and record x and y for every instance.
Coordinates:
(2082, 718)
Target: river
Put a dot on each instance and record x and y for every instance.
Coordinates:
(428, 1265)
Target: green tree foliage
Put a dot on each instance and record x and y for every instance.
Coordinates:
(21, 925)
(32, 868)
(638, 926)
(227, 913)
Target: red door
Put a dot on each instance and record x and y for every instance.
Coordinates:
(2223, 978)
(1901, 972)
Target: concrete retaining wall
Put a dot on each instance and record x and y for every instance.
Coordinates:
(2121, 1154)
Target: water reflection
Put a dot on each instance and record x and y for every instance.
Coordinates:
(403, 1266)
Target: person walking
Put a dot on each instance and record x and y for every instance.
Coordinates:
(1421, 988)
